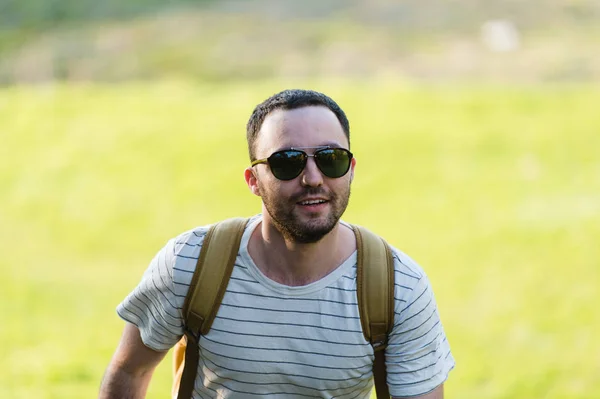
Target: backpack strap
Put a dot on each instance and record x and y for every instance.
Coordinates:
(375, 291)
(214, 267)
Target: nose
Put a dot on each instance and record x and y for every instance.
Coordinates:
(311, 175)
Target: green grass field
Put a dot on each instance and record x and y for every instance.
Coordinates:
(495, 191)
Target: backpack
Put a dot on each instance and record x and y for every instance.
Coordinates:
(375, 291)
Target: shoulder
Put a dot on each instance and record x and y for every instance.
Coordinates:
(411, 282)
(189, 241)
(185, 250)
(406, 268)
(192, 239)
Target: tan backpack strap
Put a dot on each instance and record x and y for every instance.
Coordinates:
(213, 270)
(375, 291)
(219, 251)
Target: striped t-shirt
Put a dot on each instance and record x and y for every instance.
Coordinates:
(277, 341)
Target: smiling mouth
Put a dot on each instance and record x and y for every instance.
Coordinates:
(312, 202)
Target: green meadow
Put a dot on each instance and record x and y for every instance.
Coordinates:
(494, 190)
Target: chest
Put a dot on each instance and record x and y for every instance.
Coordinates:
(266, 343)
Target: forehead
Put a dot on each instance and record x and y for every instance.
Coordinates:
(310, 126)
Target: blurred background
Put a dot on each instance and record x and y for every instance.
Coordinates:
(431, 40)
(475, 126)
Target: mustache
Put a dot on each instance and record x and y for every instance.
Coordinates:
(312, 192)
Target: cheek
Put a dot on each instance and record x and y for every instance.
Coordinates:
(342, 183)
(277, 189)
(265, 187)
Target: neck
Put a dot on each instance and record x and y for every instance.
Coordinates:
(295, 264)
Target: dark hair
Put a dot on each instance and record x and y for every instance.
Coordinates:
(286, 100)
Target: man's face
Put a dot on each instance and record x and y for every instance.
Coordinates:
(308, 207)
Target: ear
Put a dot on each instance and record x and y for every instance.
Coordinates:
(352, 164)
(252, 181)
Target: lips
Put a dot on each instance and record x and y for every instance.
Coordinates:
(312, 197)
(316, 201)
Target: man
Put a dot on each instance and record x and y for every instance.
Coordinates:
(288, 325)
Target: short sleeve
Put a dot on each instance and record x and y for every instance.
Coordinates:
(153, 306)
(418, 356)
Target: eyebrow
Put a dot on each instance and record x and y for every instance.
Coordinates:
(332, 144)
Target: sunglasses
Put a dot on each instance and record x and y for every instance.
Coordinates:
(288, 164)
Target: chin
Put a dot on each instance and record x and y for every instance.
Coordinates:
(318, 227)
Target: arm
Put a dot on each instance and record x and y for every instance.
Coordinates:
(437, 393)
(418, 355)
(130, 368)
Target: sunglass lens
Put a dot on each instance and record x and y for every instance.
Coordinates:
(333, 162)
(287, 165)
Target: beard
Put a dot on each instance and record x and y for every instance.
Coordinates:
(309, 231)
